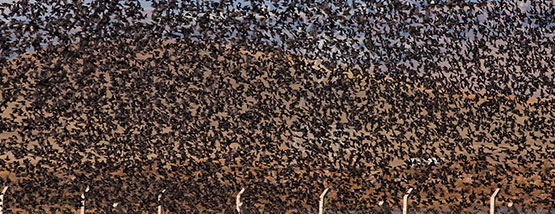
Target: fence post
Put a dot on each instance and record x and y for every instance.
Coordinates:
(83, 200)
(238, 202)
(118, 208)
(2, 199)
(385, 208)
(492, 202)
(159, 202)
(512, 209)
(321, 204)
(405, 201)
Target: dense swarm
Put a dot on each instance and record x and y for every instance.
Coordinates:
(130, 104)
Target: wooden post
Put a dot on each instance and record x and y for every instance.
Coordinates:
(83, 200)
(385, 208)
(238, 202)
(512, 209)
(492, 202)
(405, 201)
(2, 199)
(159, 202)
(322, 197)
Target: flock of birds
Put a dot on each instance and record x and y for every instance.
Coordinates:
(284, 98)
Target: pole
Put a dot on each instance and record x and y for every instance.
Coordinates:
(2, 199)
(512, 209)
(492, 202)
(160, 203)
(83, 200)
(118, 208)
(405, 201)
(322, 196)
(238, 202)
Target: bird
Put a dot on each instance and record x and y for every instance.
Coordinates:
(283, 96)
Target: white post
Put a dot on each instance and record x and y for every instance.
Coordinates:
(238, 202)
(160, 203)
(322, 196)
(118, 208)
(513, 209)
(492, 202)
(83, 200)
(405, 201)
(2, 200)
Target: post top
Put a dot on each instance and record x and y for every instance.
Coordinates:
(324, 193)
(496, 191)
